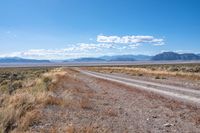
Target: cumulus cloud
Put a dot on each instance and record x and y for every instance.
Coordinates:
(130, 39)
(103, 46)
(93, 46)
(76, 50)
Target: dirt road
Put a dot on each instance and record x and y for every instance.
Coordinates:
(182, 94)
(87, 102)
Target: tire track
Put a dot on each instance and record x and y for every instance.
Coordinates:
(186, 95)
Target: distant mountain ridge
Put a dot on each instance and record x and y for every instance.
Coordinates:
(175, 56)
(88, 59)
(165, 56)
(21, 60)
(159, 57)
(126, 57)
(111, 58)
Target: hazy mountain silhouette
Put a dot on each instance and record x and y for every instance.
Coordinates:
(21, 60)
(175, 56)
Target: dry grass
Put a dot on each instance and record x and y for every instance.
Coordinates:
(187, 71)
(23, 107)
(74, 98)
(31, 118)
(16, 110)
(53, 100)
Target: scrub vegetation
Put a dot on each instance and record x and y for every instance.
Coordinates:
(161, 71)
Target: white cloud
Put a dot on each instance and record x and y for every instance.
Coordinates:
(90, 46)
(130, 39)
(104, 45)
(133, 46)
(159, 44)
(77, 50)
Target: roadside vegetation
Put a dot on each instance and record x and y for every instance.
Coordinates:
(22, 92)
(161, 71)
(27, 94)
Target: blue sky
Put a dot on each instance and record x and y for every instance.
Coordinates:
(61, 29)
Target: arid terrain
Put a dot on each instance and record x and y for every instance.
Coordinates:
(100, 99)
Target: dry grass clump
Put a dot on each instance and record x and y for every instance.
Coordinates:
(53, 100)
(75, 93)
(14, 113)
(76, 98)
(29, 119)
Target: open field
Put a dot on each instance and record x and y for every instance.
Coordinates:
(183, 71)
(68, 100)
(100, 63)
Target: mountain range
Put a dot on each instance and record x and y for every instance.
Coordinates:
(175, 56)
(112, 58)
(165, 56)
(126, 57)
(21, 60)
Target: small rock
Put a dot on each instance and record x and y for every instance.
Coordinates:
(167, 125)
(126, 113)
(154, 116)
(95, 125)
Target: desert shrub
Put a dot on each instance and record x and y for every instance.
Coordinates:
(14, 86)
(4, 88)
(17, 84)
(183, 69)
(140, 74)
(173, 69)
(47, 81)
(157, 77)
(196, 69)
(13, 76)
(4, 75)
(20, 76)
(5, 82)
